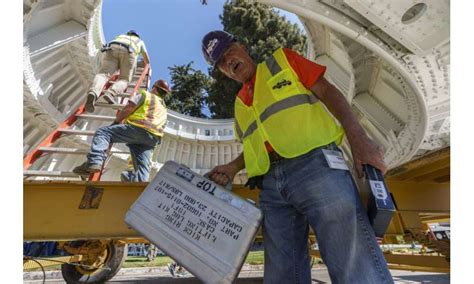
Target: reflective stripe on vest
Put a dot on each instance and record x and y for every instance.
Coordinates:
(252, 127)
(272, 65)
(150, 115)
(151, 108)
(238, 130)
(287, 103)
(279, 106)
(284, 113)
(132, 41)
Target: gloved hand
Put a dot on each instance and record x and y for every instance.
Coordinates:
(255, 182)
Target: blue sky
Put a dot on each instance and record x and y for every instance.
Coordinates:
(172, 29)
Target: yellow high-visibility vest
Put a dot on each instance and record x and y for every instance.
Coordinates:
(150, 115)
(284, 113)
(134, 42)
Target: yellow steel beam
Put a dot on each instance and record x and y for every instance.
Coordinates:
(72, 210)
(246, 193)
(434, 175)
(418, 268)
(420, 196)
(431, 263)
(436, 219)
(136, 241)
(396, 227)
(415, 197)
(32, 263)
(413, 262)
(51, 210)
(417, 202)
(445, 178)
(421, 191)
(422, 172)
(424, 162)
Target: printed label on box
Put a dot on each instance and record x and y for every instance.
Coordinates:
(379, 191)
(192, 217)
(185, 174)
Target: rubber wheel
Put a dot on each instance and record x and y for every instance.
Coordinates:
(114, 257)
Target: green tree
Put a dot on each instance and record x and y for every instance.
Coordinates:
(188, 90)
(262, 30)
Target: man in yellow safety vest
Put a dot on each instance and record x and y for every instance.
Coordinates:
(120, 54)
(145, 117)
(290, 144)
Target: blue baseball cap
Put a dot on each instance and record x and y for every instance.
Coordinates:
(214, 44)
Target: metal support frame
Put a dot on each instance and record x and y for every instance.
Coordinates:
(412, 262)
(80, 213)
(421, 190)
(29, 263)
(96, 210)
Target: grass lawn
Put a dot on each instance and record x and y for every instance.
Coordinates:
(254, 258)
(140, 261)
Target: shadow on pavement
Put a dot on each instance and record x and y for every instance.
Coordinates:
(186, 280)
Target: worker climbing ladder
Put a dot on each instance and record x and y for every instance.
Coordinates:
(49, 146)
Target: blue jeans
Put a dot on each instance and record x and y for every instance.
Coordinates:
(302, 192)
(141, 144)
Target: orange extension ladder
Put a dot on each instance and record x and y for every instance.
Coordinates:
(47, 144)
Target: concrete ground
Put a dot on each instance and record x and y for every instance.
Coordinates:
(248, 275)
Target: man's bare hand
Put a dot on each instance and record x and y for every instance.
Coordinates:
(366, 151)
(223, 174)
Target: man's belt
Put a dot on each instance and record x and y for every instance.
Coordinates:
(128, 47)
(257, 182)
(274, 156)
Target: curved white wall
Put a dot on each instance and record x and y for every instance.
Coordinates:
(396, 76)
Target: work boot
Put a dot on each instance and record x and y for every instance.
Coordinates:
(108, 98)
(86, 169)
(90, 103)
